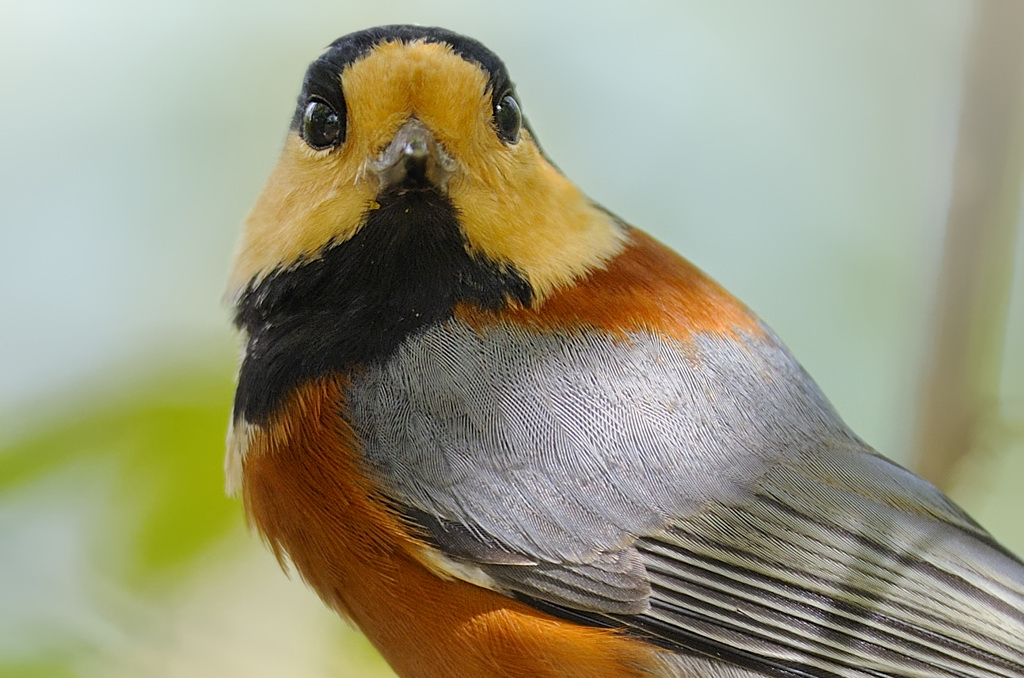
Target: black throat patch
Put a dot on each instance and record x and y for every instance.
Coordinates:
(404, 270)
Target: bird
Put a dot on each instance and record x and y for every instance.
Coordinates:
(507, 434)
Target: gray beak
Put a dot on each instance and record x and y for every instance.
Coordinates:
(413, 160)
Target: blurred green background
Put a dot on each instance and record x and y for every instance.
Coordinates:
(802, 152)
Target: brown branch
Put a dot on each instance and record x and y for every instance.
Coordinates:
(961, 379)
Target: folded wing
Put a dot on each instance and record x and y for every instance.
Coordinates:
(704, 497)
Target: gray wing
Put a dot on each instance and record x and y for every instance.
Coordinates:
(705, 497)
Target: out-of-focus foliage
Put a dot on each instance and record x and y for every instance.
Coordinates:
(159, 441)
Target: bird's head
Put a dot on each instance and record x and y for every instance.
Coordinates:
(417, 134)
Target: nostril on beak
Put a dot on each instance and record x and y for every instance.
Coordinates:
(416, 149)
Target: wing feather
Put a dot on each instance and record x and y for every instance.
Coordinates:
(705, 498)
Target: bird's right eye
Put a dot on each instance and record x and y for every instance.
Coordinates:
(322, 127)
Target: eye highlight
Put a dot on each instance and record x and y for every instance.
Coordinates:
(508, 119)
(322, 127)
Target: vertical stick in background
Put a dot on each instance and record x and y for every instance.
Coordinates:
(960, 386)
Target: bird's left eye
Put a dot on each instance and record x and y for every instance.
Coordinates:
(508, 119)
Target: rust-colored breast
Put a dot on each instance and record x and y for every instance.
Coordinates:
(646, 287)
(304, 491)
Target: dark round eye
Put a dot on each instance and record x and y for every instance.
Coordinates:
(322, 127)
(508, 119)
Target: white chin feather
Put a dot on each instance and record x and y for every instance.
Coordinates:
(240, 434)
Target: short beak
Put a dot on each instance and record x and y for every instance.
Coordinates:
(413, 160)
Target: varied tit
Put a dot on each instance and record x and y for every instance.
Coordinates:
(506, 434)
